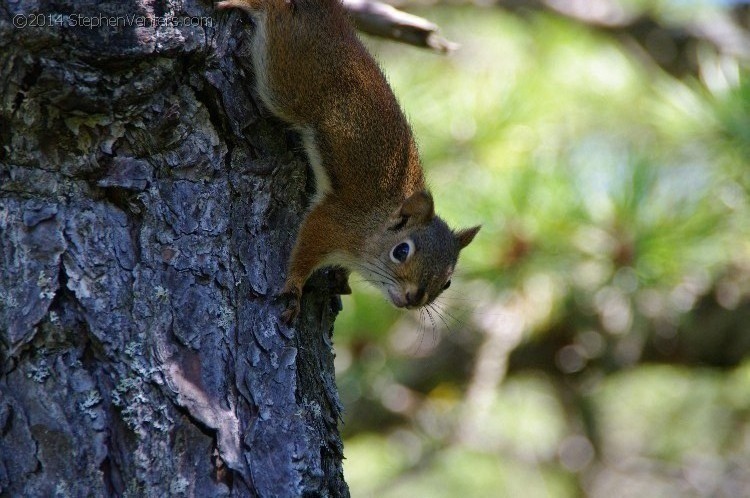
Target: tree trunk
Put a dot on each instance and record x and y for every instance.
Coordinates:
(147, 210)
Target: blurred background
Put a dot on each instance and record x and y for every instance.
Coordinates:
(595, 339)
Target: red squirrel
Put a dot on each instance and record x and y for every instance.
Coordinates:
(372, 212)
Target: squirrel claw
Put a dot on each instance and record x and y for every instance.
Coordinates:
(289, 315)
(292, 307)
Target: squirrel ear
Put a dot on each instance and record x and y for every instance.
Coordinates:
(419, 206)
(416, 209)
(465, 236)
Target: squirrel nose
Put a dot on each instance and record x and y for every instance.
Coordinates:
(414, 298)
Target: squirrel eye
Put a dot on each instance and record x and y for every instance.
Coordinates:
(401, 252)
(447, 284)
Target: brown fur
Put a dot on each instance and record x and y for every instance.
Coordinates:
(314, 73)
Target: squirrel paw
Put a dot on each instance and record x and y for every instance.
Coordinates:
(290, 313)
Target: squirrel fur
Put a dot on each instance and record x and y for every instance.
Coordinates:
(372, 212)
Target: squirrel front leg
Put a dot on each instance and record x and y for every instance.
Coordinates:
(319, 239)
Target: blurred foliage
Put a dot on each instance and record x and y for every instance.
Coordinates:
(595, 339)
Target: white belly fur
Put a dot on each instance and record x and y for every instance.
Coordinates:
(322, 181)
(260, 64)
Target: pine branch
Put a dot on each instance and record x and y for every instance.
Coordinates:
(383, 20)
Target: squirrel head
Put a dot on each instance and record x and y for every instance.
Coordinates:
(414, 257)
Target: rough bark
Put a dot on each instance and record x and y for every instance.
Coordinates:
(147, 209)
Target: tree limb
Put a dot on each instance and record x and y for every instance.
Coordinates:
(380, 19)
(674, 47)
